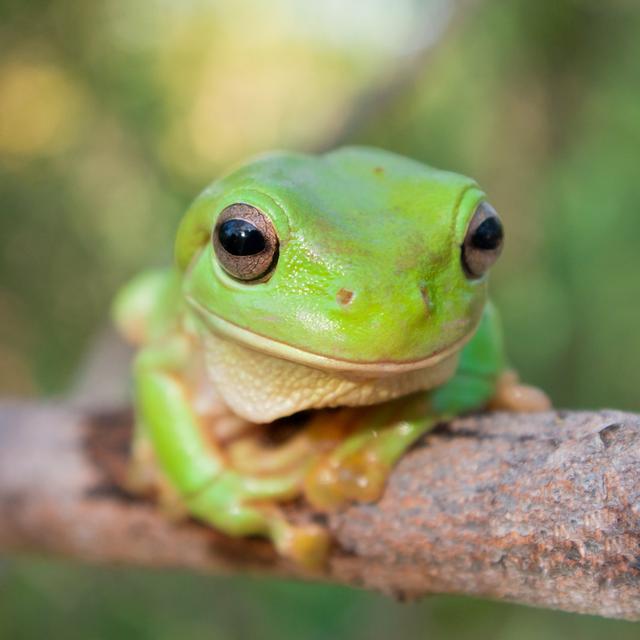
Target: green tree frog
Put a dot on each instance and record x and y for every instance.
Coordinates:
(347, 291)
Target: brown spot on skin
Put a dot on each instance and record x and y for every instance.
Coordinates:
(424, 292)
(344, 297)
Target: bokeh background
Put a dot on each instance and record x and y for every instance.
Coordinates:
(114, 114)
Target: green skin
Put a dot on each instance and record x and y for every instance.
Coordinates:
(377, 224)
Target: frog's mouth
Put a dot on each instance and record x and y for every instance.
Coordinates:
(288, 352)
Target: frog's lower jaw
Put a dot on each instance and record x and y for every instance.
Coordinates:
(255, 342)
(263, 388)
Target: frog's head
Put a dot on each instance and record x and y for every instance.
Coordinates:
(347, 278)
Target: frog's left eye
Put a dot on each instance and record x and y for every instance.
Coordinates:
(483, 242)
(245, 243)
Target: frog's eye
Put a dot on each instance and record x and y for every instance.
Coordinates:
(483, 242)
(245, 242)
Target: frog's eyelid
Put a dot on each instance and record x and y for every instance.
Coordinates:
(267, 203)
(464, 209)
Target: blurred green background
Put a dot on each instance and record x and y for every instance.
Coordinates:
(113, 115)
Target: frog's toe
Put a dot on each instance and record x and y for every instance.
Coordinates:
(275, 487)
(358, 477)
(306, 545)
(511, 395)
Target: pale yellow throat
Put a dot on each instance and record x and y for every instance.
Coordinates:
(262, 388)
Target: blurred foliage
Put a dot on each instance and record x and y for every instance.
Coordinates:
(113, 115)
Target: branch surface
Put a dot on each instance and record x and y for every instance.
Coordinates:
(538, 509)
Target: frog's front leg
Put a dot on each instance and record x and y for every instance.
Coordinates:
(358, 469)
(196, 467)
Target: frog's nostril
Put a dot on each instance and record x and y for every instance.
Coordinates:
(344, 297)
(426, 298)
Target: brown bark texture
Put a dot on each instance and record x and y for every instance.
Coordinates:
(541, 509)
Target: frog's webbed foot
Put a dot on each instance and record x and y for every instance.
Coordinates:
(511, 395)
(358, 469)
(321, 432)
(235, 503)
(337, 479)
(340, 458)
(242, 505)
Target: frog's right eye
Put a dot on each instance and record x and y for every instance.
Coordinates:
(245, 243)
(483, 243)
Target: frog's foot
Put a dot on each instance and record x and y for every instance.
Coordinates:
(359, 468)
(337, 480)
(242, 506)
(323, 431)
(511, 395)
(307, 545)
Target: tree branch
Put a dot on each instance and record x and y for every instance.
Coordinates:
(538, 509)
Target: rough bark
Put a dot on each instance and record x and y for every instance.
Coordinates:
(539, 509)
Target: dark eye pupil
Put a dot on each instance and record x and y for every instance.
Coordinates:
(488, 236)
(241, 238)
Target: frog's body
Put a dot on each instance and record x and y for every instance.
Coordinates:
(354, 279)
